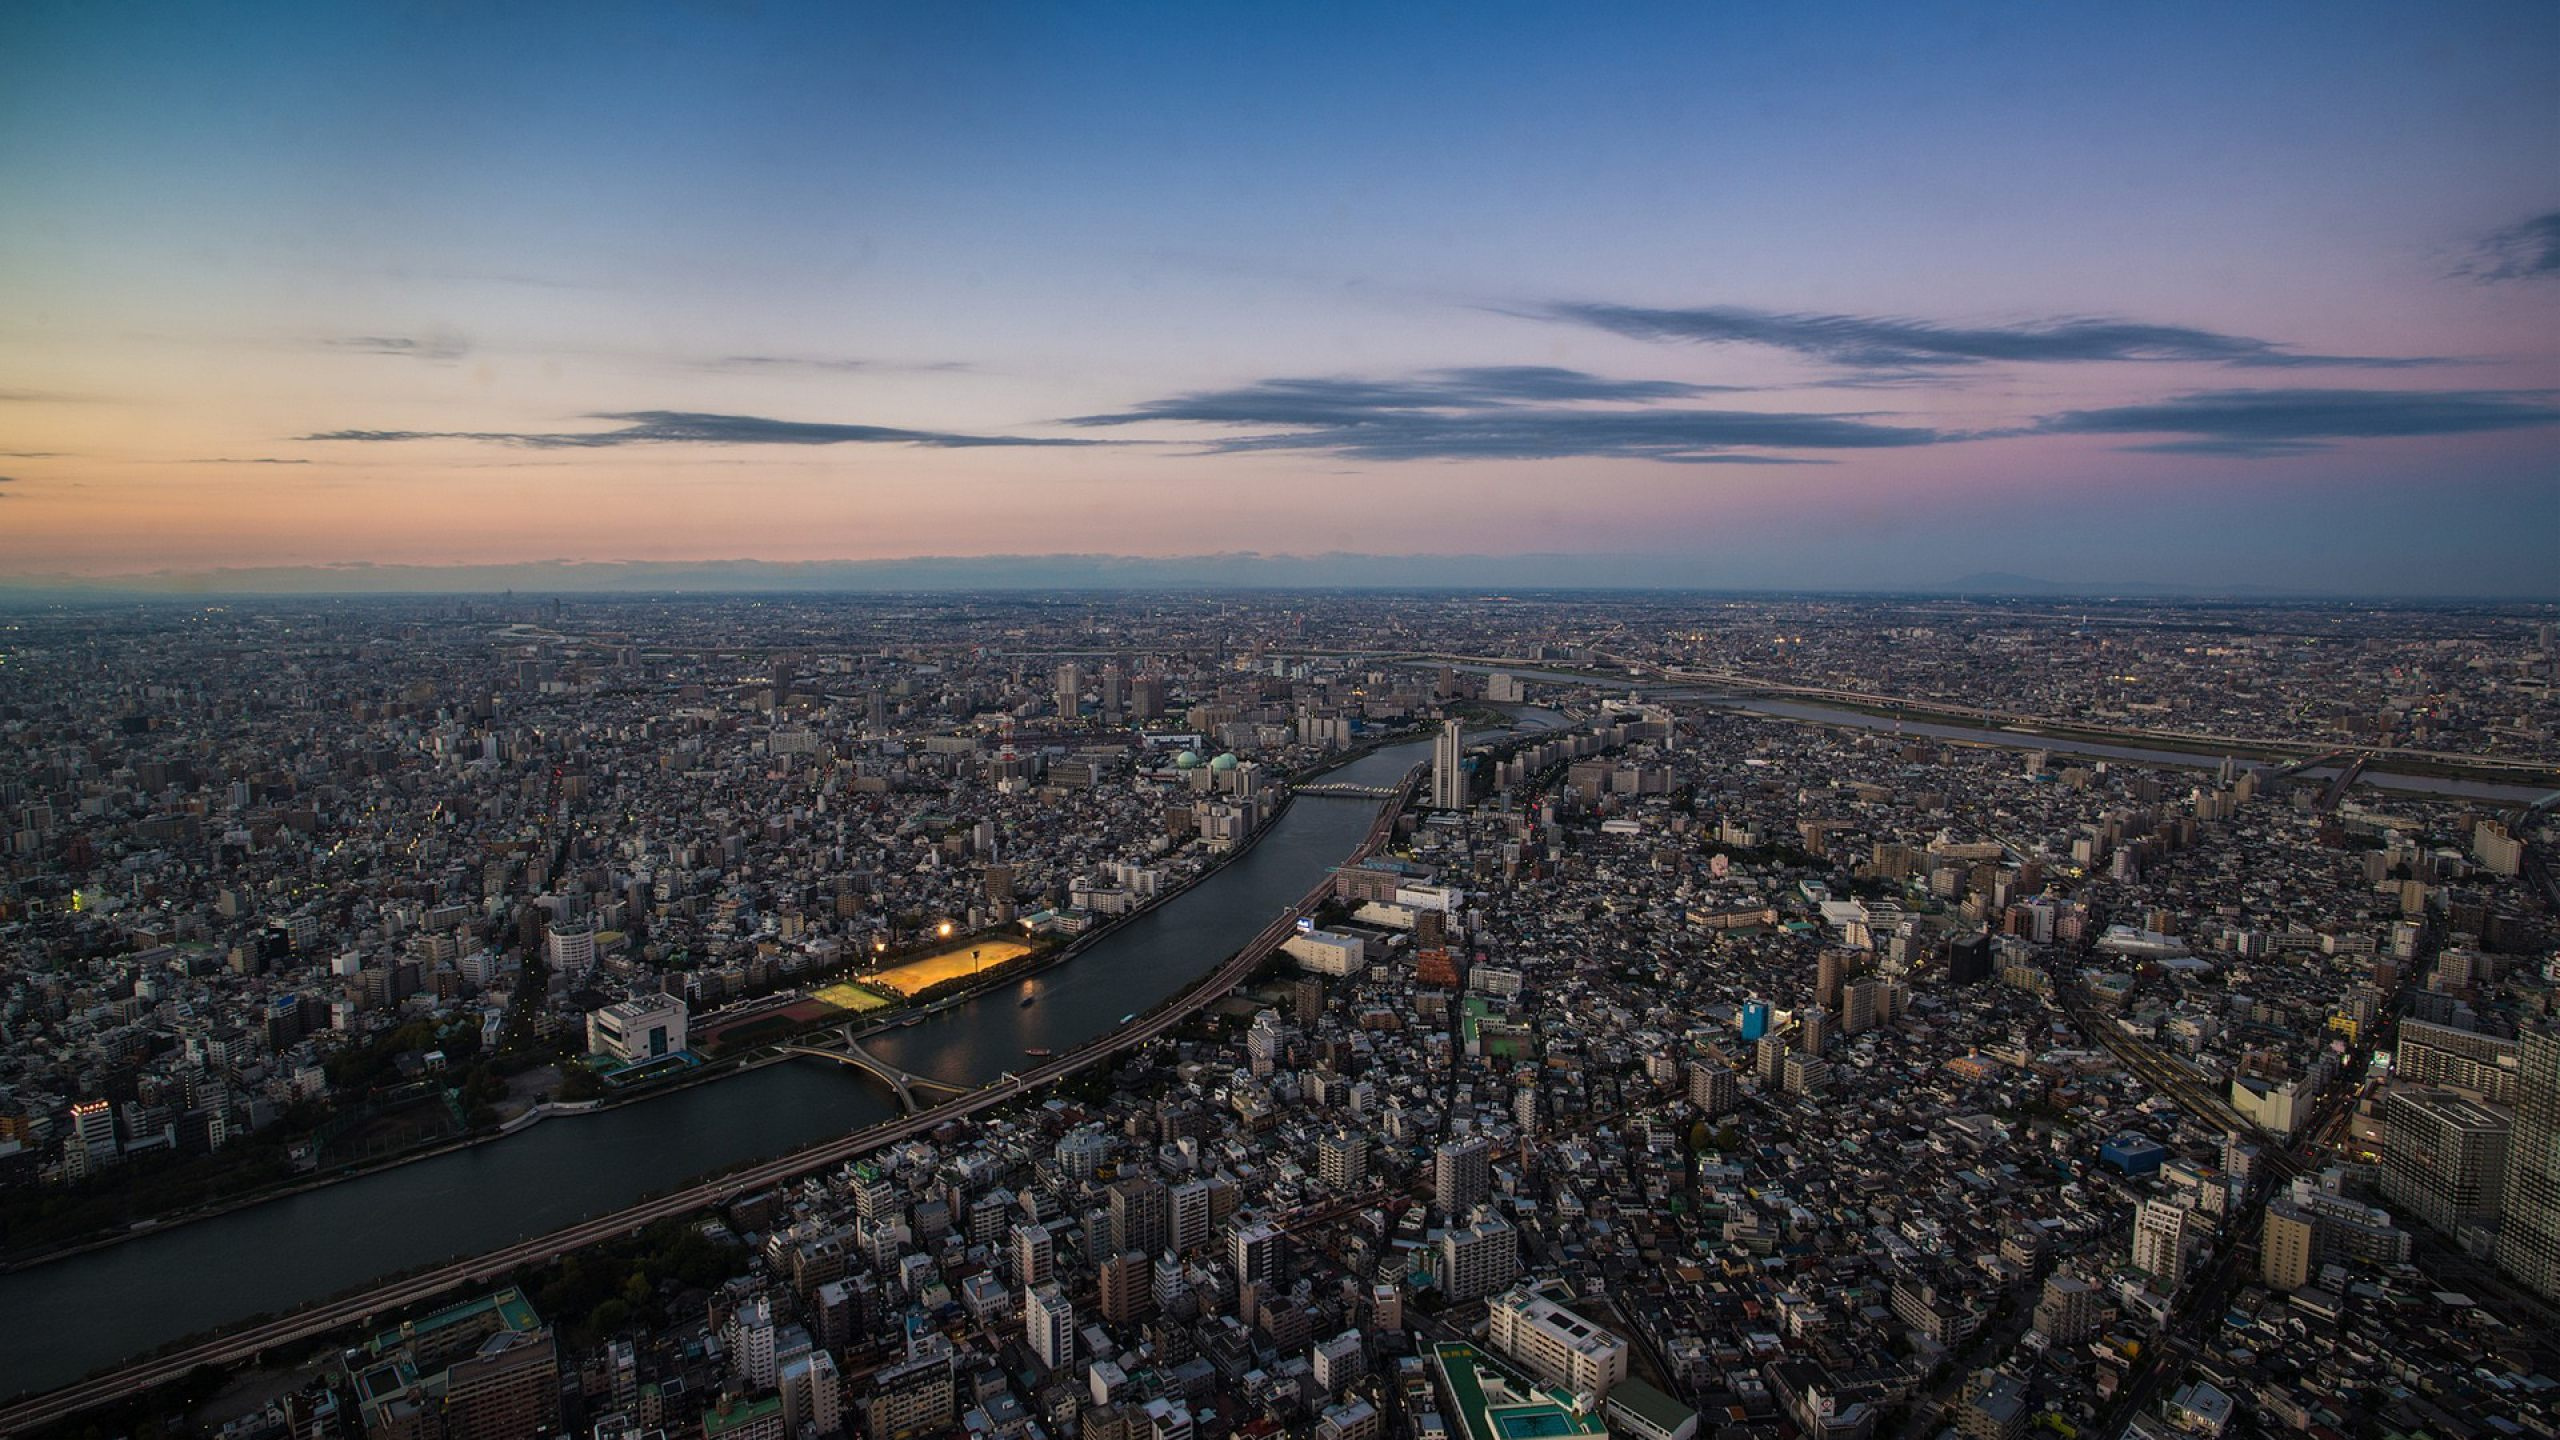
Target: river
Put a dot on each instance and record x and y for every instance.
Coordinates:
(71, 1316)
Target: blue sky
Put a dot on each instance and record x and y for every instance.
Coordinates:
(1810, 295)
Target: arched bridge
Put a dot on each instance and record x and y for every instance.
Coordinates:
(840, 1046)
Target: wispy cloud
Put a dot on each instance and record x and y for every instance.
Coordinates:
(2526, 250)
(1896, 344)
(30, 454)
(685, 427)
(2267, 423)
(441, 346)
(1505, 413)
(247, 460)
(826, 365)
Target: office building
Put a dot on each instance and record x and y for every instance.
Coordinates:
(2529, 1227)
(1448, 768)
(636, 1031)
(1555, 1344)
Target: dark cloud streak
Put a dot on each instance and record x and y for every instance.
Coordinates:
(686, 427)
(1504, 413)
(2267, 423)
(438, 347)
(2526, 250)
(1903, 346)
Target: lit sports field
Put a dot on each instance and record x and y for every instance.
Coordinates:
(951, 964)
(853, 998)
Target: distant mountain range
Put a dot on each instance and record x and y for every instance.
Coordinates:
(951, 573)
(2001, 582)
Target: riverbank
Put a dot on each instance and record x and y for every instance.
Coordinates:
(710, 1071)
(570, 1184)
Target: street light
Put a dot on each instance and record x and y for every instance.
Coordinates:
(946, 929)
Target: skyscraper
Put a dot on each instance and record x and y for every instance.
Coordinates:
(2444, 1158)
(1448, 775)
(1070, 696)
(2529, 1233)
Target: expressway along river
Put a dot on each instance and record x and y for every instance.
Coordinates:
(78, 1314)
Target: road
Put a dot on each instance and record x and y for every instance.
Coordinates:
(235, 1346)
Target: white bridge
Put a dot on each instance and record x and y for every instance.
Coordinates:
(851, 1053)
(1371, 792)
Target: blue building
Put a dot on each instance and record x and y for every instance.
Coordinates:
(1755, 1019)
(2132, 1153)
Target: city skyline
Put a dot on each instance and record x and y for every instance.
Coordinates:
(1871, 300)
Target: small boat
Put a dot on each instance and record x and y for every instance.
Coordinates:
(1037, 1052)
(911, 1020)
(1132, 1015)
(1027, 999)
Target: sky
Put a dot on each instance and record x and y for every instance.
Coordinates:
(1857, 296)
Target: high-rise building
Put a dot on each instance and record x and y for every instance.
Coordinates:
(1713, 1089)
(1831, 971)
(1070, 689)
(1049, 1325)
(2160, 1242)
(1254, 1253)
(509, 1387)
(2444, 1158)
(1769, 1060)
(915, 1396)
(2288, 1246)
(92, 1146)
(1814, 1029)
(749, 1336)
(2070, 1310)
(2481, 1066)
(2529, 1230)
(1342, 1159)
(1448, 768)
(1128, 1288)
(1191, 1216)
(1461, 1175)
(1478, 1259)
(812, 1395)
(1035, 1256)
(1139, 1215)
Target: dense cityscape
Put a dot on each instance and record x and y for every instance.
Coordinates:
(801, 720)
(2168, 1052)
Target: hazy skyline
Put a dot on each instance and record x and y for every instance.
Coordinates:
(1875, 296)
